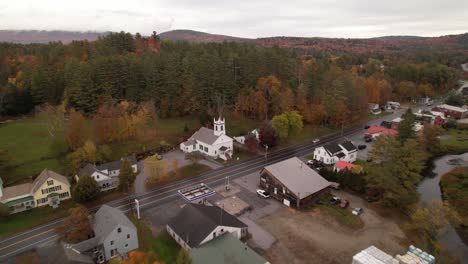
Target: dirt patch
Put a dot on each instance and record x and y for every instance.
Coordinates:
(316, 237)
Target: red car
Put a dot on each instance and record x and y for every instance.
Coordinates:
(344, 204)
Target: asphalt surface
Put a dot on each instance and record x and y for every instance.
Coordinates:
(14, 245)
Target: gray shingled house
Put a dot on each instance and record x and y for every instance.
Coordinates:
(114, 233)
(293, 183)
(197, 224)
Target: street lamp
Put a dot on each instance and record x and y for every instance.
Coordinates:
(266, 151)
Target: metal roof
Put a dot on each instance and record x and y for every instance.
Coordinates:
(297, 177)
(225, 249)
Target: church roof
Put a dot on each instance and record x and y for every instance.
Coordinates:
(205, 135)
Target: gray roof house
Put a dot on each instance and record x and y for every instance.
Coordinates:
(197, 224)
(114, 233)
(107, 174)
(294, 183)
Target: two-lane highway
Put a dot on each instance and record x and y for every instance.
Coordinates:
(14, 245)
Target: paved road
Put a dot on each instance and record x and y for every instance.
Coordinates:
(27, 240)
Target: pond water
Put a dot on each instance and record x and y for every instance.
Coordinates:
(429, 190)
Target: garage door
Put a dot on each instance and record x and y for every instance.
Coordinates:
(286, 202)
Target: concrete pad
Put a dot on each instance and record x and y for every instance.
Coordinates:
(233, 205)
(250, 182)
(233, 189)
(260, 237)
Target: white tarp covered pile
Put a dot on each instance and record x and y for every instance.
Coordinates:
(373, 255)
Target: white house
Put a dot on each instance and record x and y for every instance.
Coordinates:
(107, 174)
(198, 224)
(211, 142)
(254, 133)
(333, 152)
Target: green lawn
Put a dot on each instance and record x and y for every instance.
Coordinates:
(163, 245)
(192, 170)
(28, 143)
(308, 133)
(26, 220)
(344, 216)
(455, 140)
(240, 126)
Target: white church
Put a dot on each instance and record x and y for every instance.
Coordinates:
(214, 143)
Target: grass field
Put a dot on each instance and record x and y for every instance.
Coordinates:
(26, 220)
(309, 132)
(163, 245)
(456, 140)
(344, 216)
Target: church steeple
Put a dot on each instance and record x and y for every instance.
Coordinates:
(219, 126)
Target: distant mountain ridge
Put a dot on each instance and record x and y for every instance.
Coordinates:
(42, 36)
(382, 45)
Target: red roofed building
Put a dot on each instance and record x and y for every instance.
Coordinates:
(376, 131)
(343, 165)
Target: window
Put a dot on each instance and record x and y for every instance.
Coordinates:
(222, 230)
(97, 176)
(221, 128)
(51, 182)
(126, 245)
(112, 242)
(112, 252)
(64, 195)
(59, 188)
(206, 149)
(128, 236)
(214, 234)
(200, 147)
(119, 230)
(42, 200)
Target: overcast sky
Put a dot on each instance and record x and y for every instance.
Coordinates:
(251, 18)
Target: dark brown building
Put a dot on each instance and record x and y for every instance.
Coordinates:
(293, 183)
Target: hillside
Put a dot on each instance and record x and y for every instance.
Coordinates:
(36, 36)
(197, 36)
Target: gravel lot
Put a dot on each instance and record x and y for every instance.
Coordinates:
(312, 237)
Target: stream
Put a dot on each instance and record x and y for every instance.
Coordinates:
(429, 190)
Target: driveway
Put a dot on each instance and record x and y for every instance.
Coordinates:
(168, 157)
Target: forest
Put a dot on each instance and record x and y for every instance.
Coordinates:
(182, 78)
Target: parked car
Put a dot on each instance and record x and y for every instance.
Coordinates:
(357, 211)
(368, 139)
(263, 193)
(366, 127)
(344, 204)
(310, 162)
(361, 147)
(315, 141)
(335, 200)
(335, 185)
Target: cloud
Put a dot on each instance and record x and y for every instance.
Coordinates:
(260, 18)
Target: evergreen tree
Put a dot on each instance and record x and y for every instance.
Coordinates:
(86, 189)
(126, 176)
(406, 126)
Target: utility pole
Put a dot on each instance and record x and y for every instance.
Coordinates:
(266, 151)
(137, 204)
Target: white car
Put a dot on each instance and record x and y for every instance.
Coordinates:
(357, 211)
(315, 141)
(310, 162)
(263, 193)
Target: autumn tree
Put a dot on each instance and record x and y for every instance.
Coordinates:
(251, 143)
(396, 169)
(140, 257)
(88, 153)
(77, 226)
(155, 168)
(86, 189)
(105, 124)
(126, 176)
(175, 165)
(54, 119)
(183, 257)
(287, 124)
(430, 139)
(75, 130)
(267, 134)
(430, 220)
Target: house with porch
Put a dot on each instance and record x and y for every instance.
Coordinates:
(107, 174)
(210, 142)
(115, 235)
(293, 183)
(49, 188)
(333, 152)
